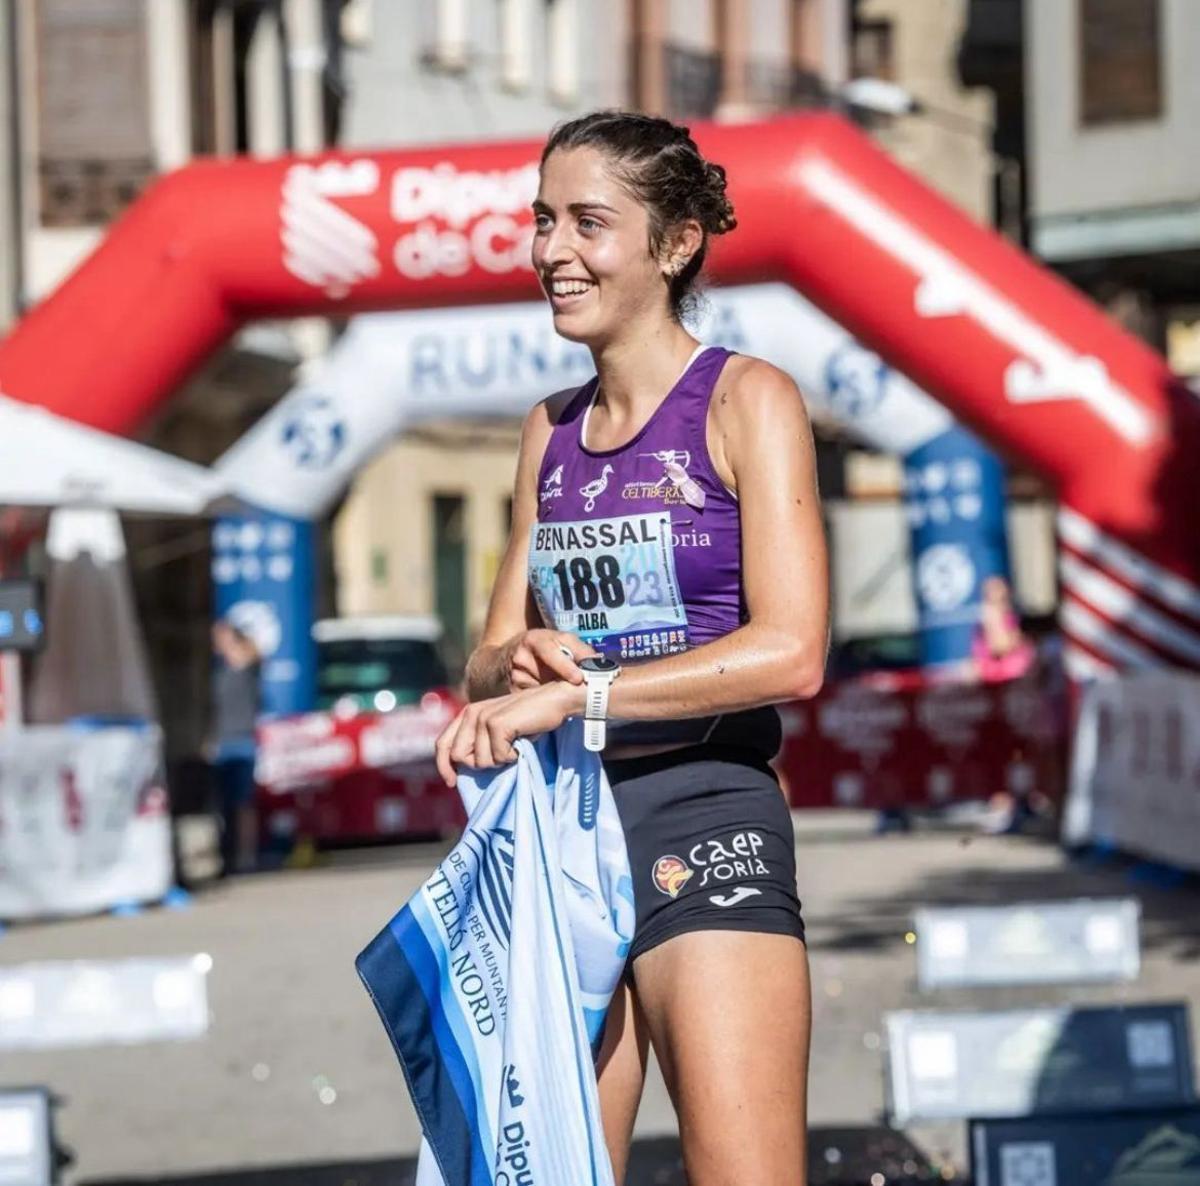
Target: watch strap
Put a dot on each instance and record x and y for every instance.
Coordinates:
(594, 732)
(596, 707)
(595, 713)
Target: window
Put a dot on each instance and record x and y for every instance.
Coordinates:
(237, 106)
(1120, 55)
(873, 52)
(693, 82)
(93, 124)
(359, 669)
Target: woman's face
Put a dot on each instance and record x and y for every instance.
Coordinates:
(591, 249)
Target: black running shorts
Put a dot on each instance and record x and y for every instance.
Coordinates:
(710, 842)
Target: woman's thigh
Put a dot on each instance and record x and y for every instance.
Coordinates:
(621, 1073)
(729, 1016)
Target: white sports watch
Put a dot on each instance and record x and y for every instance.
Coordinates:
(599, 676)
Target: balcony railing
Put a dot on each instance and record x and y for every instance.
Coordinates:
(89, 192)
(694, 84)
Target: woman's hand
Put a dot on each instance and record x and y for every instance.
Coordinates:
(536, 657)
(482, 734)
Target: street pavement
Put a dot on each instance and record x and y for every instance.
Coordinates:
(295, 1082)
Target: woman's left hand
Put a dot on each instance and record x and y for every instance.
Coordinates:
(482, 734)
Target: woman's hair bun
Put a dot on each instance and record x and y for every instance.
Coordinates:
(720, 209)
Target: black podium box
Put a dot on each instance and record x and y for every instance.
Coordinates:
(1159, 1147)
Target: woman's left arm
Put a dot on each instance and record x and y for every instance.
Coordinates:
(762, 441)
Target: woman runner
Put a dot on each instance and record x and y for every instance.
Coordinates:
(666, 530)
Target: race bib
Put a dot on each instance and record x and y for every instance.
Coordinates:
(612, 582)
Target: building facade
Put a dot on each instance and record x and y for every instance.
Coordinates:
(1114, 173)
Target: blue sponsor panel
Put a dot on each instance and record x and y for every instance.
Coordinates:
(954, 500)
(263, 576)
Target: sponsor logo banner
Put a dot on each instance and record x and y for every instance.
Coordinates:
(84, 823)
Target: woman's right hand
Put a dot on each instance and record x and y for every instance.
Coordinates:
(542, 656)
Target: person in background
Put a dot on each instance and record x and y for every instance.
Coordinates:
(999, 648)
(1000, 651)
(235, 707)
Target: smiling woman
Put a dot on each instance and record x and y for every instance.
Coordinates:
(666, 530)
(631, 169)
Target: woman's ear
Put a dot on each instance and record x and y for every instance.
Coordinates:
(681, 245)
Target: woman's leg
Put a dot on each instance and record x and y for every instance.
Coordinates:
(621, 1071)
(729, 1015)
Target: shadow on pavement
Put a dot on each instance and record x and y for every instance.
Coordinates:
(837, 1157)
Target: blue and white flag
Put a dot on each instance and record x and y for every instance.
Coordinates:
(494, 980)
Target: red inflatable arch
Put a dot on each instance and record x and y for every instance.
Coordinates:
(1032, 365)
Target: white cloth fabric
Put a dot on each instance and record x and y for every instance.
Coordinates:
(493, 981)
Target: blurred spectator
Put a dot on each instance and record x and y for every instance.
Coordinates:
(235, 707)
(999, 649)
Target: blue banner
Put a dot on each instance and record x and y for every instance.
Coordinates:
(954, 499)
(263, 572)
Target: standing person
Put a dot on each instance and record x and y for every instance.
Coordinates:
(1000, 651)
(666, 519)
(235, 707)
(999, 648)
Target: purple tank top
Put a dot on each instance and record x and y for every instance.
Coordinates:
(638, 549)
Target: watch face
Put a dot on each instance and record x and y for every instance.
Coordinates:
(601, 665)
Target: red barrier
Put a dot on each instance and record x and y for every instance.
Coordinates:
(366, 805)
(859, 746)
(1009, 347)
(368, 776)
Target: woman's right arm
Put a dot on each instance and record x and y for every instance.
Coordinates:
(514, 650)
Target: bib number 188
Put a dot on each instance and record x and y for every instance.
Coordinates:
(585, 587)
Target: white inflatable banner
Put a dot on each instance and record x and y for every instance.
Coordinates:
(393, 370)
(1135, 768)
(84, 823)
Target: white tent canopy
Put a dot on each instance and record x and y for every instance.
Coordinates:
(47, 461)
